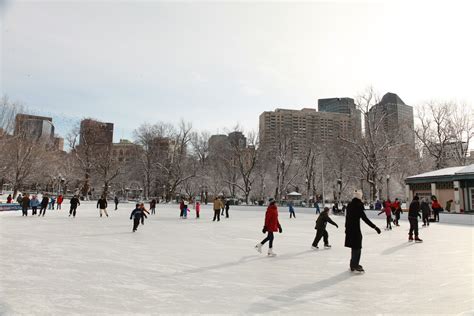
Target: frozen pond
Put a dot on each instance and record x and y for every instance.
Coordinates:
(58, 265)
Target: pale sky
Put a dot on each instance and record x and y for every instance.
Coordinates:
(219, 64)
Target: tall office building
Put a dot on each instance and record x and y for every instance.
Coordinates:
(93, 132)
(34, 127)
(337, 105)
(305, 128)
(237, 139)
(397, 119)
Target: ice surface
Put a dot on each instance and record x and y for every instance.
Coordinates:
(89, 265)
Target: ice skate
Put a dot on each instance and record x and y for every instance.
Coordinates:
(271, 253)
(314, 247)
(418, 239)
(327, 246)
(410, 238)
(258, 247)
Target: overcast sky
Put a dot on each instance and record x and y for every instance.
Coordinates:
(218, 64)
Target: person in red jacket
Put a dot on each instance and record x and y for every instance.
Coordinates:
(59, 202)
(398, 210)
(387, 209)
(271, 225)
(436, 207)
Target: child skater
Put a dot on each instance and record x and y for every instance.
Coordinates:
(291, 209)
(144, 212)
(137, 215)
(321, 222)
(388, 212)
(271, 225)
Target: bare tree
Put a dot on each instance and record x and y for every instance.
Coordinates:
(177, 167)
(374, 148)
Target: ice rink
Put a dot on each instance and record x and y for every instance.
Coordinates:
(88, 265)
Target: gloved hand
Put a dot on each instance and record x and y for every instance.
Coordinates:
(264, 229)
(280, 230)
(337, 226)
(377, 230)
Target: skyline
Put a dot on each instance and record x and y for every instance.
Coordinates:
(229, 61)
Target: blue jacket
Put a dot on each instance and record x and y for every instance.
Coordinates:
(136, 213)
(34, 202)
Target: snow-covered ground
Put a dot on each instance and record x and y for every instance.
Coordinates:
(58, 265)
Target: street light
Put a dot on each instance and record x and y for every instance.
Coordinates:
(388, 186)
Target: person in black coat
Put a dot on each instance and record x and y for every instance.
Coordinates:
(355, 212)
(137, 215)
(116, 201)
(74, 203)
(153, 206)
(413, 214)
(425, 211)
(44, 205)
(102, 203)
(321, 223)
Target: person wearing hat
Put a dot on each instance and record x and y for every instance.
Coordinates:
(321, 222)
(271, 225)
(413, 214)
(355, 212)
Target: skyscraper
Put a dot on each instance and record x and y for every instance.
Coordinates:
(398, 122)
(34, 127)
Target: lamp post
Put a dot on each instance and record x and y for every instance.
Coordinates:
(388, 186)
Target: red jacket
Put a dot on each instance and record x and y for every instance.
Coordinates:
(271, 218)
(396, 205)
(60, 199)
(435, 204)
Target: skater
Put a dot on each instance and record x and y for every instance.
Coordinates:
(291, 209)
(217, 209)
(436, 207)
(448, 205)
(25, 204)
(59, 202)
(44, 205)
(413, 214)
(34, 203)
(398, 211)
(198, 209)
(425, 211)
(52, 202)
(74, 203)
(181, 208)
(227, 207)
(116, 201)
(144, 211)
(9, 199)
(355, 212)
(137, 215)
(320, 227)
(152, 206)
(19, 199)
(102, 203)
(271, 225)
(316, 205)
(222, 205)
(185, 209)
(388, 212)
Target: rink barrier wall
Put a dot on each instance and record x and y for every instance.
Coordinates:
(5, 207)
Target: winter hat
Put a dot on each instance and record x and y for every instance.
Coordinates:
(357, 194)
(416, 198)
(271, 200)
(326, 209)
